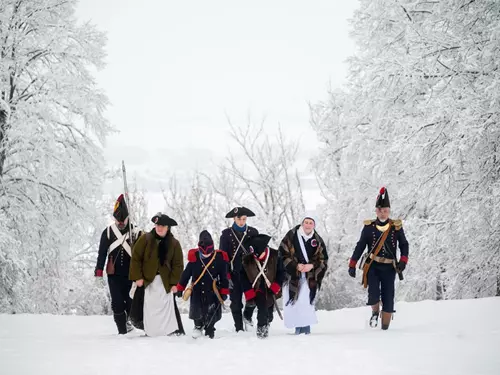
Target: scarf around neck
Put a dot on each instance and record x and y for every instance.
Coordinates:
(238, 228)
(162, 247)
(303, 234)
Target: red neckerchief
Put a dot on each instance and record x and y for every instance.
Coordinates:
(206, 251)
(262, 257)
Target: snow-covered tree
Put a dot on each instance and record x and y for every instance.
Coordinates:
(420, 115)
(50, 147)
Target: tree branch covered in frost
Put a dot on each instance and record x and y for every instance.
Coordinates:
(266, 177)
(420, 114)
(258, 174)
(192, 202)
(51, 161)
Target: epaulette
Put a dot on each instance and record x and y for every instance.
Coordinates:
(224, 255)
(369, 221)
(398, 223)
(192, 255)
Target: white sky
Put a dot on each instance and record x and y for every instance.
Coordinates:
(176, 68)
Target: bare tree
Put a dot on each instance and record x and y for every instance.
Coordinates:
(261, 175)
(193, 204)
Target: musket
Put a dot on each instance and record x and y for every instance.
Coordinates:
(277, 308)
(127, 202)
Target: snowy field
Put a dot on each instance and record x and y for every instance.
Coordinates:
(450, 337)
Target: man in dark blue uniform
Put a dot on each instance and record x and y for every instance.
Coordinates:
(116, 248)
(382, 237)
(207, 268)
(232, 242)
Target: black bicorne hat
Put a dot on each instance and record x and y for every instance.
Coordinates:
(120, 211)
(239, 212)
(162, 219)
(383, 199)
(259, 242)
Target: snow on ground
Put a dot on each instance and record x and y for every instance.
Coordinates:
(446, 337)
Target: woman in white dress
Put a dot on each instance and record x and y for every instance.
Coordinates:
(305, 259)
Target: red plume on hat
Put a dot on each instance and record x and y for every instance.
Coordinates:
(383, 198)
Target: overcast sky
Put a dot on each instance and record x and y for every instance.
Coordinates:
(175, 69)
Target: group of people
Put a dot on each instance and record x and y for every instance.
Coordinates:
(244, 268)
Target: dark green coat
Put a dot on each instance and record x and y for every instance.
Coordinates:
(145, 262)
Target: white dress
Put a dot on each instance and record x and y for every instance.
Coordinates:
(301, 313)
(159, 310)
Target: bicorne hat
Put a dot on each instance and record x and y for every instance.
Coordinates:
(258, 242)
(163, 219)
(239, 212)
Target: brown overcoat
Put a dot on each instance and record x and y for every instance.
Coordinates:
(145, 263)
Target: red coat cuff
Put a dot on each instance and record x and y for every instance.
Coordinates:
(275, 288)
(352, 263)
(98, 273)
(180, 287)
(250, 294)
(224, 291)
(229, 275)
(404, 259)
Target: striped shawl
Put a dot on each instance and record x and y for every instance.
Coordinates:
(319, 261)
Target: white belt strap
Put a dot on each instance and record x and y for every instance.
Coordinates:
(261, 270)
(304, 252)
(121, 240)
(205, 266)
(240, 244)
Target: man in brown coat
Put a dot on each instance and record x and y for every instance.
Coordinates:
(157, 264)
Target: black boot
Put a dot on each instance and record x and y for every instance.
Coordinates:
(210, 332)
(121, 322)
(129, 325)
(262, 331)
(374, 319)
(238, 320)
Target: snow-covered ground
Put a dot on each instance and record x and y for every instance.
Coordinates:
(447, 337)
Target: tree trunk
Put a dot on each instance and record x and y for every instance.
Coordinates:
(440, 287)
(498, 286)
(439, 290)
(3, 135)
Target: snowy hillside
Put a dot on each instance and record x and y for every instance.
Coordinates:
(448, 337)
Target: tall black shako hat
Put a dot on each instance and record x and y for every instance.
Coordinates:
(120, 211)
(258, 242)
(163, 219)
(239, 212)
(383, 199)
